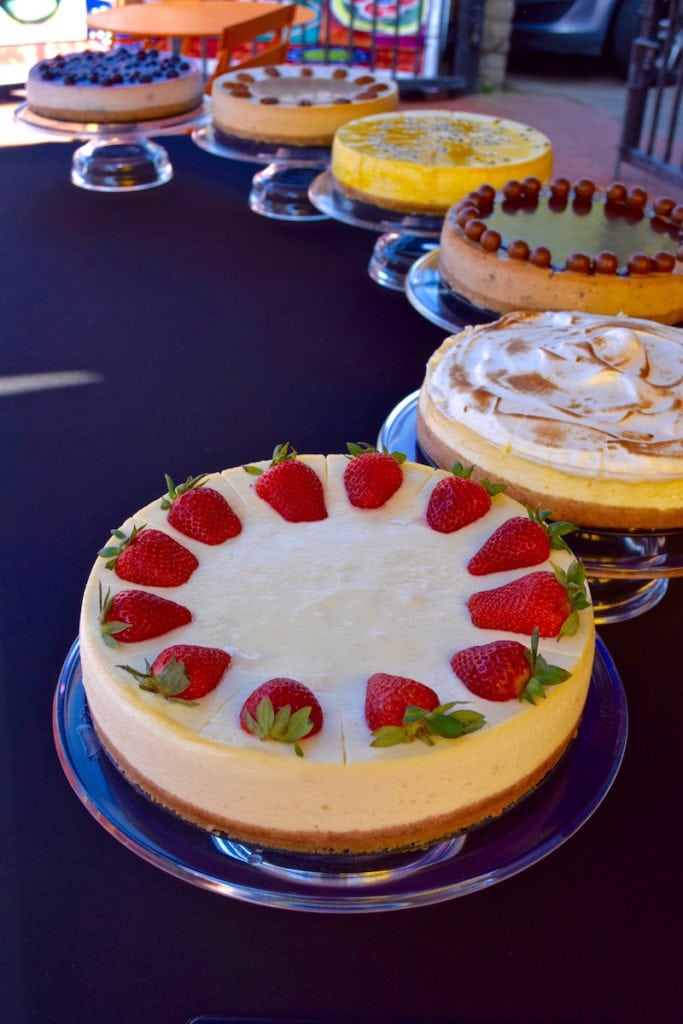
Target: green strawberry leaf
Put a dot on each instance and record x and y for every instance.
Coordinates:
(418, 723)
(174, 491)
(361, 447)
(556, 531)
(542, 674)
(172, 680)
(282, 726)
(388, 736)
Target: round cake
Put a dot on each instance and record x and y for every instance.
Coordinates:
(297, 104)
(580, 413)
(349, 586)
(423, 161)
(125, 84)
(566, 246)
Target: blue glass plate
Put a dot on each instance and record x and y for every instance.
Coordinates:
(535, 827)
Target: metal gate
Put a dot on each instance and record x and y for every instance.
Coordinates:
(652, 131)
(427, 45)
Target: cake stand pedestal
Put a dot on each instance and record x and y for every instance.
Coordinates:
(436, 302)
(116, 157)
(628, 572)
(280, 190)
(404, 238)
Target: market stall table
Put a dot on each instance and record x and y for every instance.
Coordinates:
(174, 331)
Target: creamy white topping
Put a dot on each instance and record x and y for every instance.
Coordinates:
(575, 390)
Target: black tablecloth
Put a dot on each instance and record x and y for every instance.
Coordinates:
(214, 333)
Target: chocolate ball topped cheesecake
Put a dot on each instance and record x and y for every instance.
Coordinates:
(565, 246)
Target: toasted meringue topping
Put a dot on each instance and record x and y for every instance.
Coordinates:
(591, 392)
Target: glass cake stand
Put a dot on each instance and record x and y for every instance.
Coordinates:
(404, 239)
(628, 572)
(280, 190)
(436, 302)
(521, 837)
(117, 157)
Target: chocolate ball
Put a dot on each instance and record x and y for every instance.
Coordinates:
(664, 205)
(606, 262)
(518, 249)
(474, 229)
(584, 189)
(579, 262)
(513, 190)
(532, 187)
(664, 262)
(640, 263)
(617, 192)
(560, 187)
(540, 256)
(490, 240)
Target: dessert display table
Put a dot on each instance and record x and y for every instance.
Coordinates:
(174, 331)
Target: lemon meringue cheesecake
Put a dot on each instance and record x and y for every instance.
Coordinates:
(578, 412)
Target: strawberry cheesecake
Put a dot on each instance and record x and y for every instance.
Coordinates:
(336, 653)
(124, 84)
(425, 160)
(297, 104)
(580, 413)
(567, 246)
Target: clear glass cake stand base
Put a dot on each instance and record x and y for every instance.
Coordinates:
(628, 573)
(280, 190)
(404, 238)
(116, 157)
(435, 301)
(477, 859)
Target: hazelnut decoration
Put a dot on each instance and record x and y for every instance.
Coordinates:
(665, 217)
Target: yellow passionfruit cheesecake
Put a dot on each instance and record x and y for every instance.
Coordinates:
(578, 412)
(361, 596)
(428, 159)
(297, 104)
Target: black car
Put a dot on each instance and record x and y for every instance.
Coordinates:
(591, 28)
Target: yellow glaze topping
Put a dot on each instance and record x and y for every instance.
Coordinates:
(428, 159)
